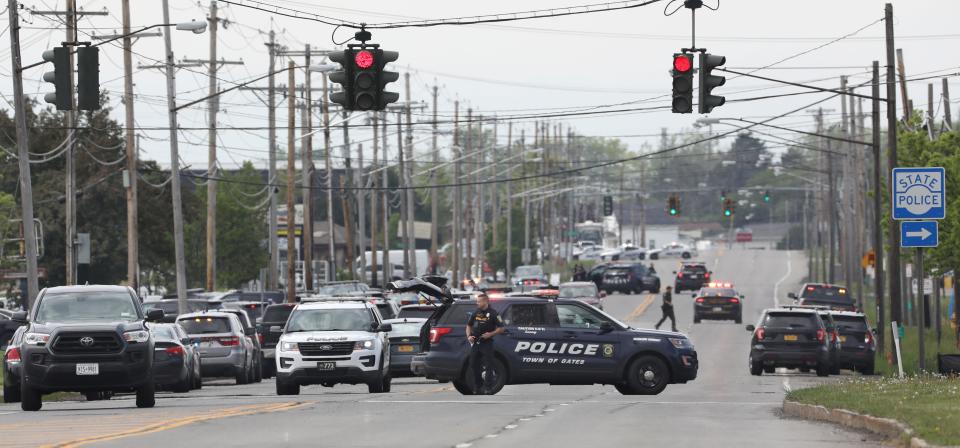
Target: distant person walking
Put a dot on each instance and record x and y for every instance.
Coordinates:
(667, 309)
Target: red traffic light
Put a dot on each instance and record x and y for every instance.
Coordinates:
(681, 63)
(364, 59)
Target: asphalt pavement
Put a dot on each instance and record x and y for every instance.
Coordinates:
(724, 406)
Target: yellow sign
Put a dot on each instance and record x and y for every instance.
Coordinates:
(870, 259)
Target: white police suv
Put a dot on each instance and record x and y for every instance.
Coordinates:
(334, 341)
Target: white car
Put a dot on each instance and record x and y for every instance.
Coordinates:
(673, 250)
(334, 342)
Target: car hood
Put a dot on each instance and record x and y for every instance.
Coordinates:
(327, 336)
(118, 327)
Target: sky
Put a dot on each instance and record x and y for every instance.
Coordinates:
(599, 61)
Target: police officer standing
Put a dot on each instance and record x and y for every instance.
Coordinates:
(483, 325)
(667, 309)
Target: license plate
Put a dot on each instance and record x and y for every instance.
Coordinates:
(843, 339)
(789, 337)
(405, 348)
(695, 276)
(328, 365)
(88, 369)
(717, 309)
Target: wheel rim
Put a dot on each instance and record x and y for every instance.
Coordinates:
(649, 375)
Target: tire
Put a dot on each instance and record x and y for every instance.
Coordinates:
(466, 380)
(868, 369)
(804, 370)
(656, 289)
(93, 396)
(376, 387)
(11, 391)
(258, 373)
(624, 389)
(242, 375)
(146, 395)
(197, 376)
(696, 319)
(30, 398)
(648, 375)
(823, 369)
(462, 387)
(739, 319)
(685, 255)
(755, 368)
(184, 386)
(267, 369)
(285, 387)
(769, 370)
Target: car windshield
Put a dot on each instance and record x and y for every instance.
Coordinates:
(349, 319)
(790, 320)
(205, 324)
(415, 312)
(529, 271)
(277, 313)
(850, 323)
(165, 332)
(578, 291)
(694, 269)
(333, 290)
(87, 306)
(825, 293)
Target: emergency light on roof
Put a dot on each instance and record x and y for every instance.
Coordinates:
(719, 285)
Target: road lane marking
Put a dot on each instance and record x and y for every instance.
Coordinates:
(776, 286)
(642, 307)
(168, 424)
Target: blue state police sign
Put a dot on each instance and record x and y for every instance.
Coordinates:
(919, 193)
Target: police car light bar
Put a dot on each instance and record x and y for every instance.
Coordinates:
(719, 285)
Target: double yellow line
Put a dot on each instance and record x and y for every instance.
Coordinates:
(168, 424)
(642, 307)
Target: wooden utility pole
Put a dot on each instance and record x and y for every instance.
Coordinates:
(434, 221)
(361, 194)
(306, 149)
(23, 157)
(374, 199)
(291, 184)
(903, 85)
(893, 229)
(212, 155)
(930, 131)
(468, 225)
(347, 198)
(411, 193)
(509, 260)
(402, 224)
(132, 173)
(385, 198)
(331, 241)
(946, 104)
(494, 199)
(457, 247)
(273, 268)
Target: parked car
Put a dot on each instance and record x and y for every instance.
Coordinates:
(255, 339)
(673, 250)
(404, 344)
(176, 360)
(789, 337)
(89, 339)
(858, 344)
(225, 350)
(271, 327)
(630, 279)
(834, 297)
(11, 368)
(171, 310)
(586, 292)
(8, 326)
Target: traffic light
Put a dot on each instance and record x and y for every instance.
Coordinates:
(607, 205)
(88, 78)
(673, 205)
(363, 78)
(723, 195)
(728, 207)
(61, 76)
(682, 73)
(766, 196)
(708, 82)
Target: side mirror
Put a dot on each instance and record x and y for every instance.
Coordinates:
(606, 327)
(791, 295)
(385, 328)
(154, 315)
(276, 329)
(19, 317)
(751, 328)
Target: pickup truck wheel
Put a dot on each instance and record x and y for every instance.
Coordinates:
(146, 394)
(648, 375)
(29, 397)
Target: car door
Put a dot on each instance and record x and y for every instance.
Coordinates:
(591, 342)
(529, 332)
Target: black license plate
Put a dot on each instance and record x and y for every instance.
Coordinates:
(326, 365)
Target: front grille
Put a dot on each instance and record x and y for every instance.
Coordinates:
(325, 348)
(70, 343)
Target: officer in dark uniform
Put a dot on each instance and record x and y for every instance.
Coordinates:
(483, 325)
(667, 309)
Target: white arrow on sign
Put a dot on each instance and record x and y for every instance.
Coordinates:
(923, 233)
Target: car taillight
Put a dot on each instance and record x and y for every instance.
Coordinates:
(176, 350)
(761, 333)
(680, 275)
(868, 338)
(699, 299)
(260, 338)
(706, 275)
(13, 355)
(821, 334)
(437, 333)
(229, 342)
(734, 300)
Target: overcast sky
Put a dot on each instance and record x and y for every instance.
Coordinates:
(578, 62)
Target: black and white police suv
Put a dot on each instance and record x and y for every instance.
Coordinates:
(333, 341)
(552, 341)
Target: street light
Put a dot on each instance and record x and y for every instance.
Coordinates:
(197, 26)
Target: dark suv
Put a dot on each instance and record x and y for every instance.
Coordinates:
(835, 297)
(271, 327)
(792, 338)
(718, 301)
(857, 341)
(86, 339)
(630, 279)
(691, 276)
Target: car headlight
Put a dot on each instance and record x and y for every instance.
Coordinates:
(289, 347)
(363, 345)
(36, 338)
(136, 336)
(681, 342)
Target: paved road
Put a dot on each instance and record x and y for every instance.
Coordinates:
(725, 406)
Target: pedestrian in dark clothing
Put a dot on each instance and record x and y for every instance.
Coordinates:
(667, 309)
(482, 326)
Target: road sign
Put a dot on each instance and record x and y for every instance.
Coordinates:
(918, 193)
(919, 234)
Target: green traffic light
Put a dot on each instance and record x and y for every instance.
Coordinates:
(726, 213)
(673, 211)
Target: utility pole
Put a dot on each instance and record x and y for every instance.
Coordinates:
(212, 155)
(374, 198)
(878, 280)
(331, 242)
(402, 224)
(893, 227)
(132, 173)
(179, 256)
(23, 157)
(291, 184)
(306, 149)
(385, 197)
(347, 197)
(831, 211)
(480, 209)
(509, 261)
(361, 213)
(273, 269)
(411, 194)
(907, 109)
(468, 226)
(434, 259)
(457, 248)
(946, 104)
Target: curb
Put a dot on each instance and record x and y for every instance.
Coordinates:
(886, 427)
